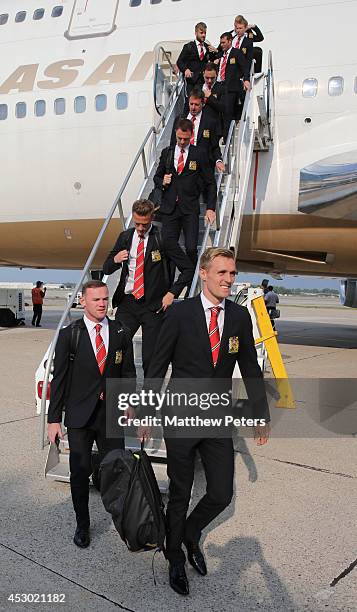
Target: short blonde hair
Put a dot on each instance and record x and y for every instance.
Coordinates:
(211, 253)
(241, 19)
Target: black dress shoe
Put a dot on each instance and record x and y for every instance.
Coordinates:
(178, 578)
(81, 538)
(196, 558)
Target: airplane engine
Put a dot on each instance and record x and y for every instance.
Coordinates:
(348, 292)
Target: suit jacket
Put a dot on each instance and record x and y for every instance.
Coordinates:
(185, 188)
(255, 34)
(86, 381)
(214, 105)
(156, 278)
(207, 138)
(247, 48)
(237, 68)
(189, 58)
(183, 341)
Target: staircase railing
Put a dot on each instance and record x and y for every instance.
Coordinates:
(227, 192)
(155, 133)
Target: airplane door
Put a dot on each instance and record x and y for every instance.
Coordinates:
(91, 18)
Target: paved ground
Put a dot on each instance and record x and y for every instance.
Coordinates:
(288, 534)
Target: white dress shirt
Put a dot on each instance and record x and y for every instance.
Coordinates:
(206, 88)
(220, 64)
(196, 124)
(178, 153)
(132, 259)
(104, 332)
(240, 42)
(207, 305)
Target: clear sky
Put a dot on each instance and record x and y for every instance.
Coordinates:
(61, 276)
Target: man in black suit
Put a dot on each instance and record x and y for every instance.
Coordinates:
(101, 350)
(193, 58)
(213, 96)
(189, 175)
(205, 133)
(233, 69)
(203, 338)
(145, 289)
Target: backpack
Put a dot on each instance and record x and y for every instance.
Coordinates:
(131, 495)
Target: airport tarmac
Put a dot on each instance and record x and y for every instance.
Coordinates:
(287, 536)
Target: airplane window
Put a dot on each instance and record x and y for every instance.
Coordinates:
(57, 11)
(20, 16)
(100, 102)
(155, 1)
(40, 108)
(4, 18)
(80, 104)
(122, 101)
(135, 2)
(335, 86)
(60, 106)
(38, 14)
(309, 88)
(3, 112)
(20, 110)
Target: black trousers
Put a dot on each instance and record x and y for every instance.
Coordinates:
(173, 224)
(80, 459)
(232, 110)
(134, 314)
(218, 461)
(37, 314)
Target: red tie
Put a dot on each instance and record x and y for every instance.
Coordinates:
(181, 162)
(202, 53)
(238, 41)
(138, 289)
(213, 332)
(192, 141)
(222, 72)
(101, 353)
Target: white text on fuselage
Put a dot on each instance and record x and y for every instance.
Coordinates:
(63, 73)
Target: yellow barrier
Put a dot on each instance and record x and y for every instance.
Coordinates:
(268, 336)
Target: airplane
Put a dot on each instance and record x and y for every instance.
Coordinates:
(76, 100)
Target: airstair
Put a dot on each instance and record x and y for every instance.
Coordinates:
(254, 133)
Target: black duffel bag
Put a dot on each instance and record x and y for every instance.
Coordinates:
(155, 195)
(131, 495)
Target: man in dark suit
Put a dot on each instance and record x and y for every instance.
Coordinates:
(203, 338)
(145, 289)
(205, 133)
(234, 73)
(189, 175)
(103, 349)
(193, 58)
(214, 96)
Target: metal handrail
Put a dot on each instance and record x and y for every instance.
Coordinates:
(203, 247)
(157, 65)
(166, 55)
(270, 93)
(220, 211)
(153, 131)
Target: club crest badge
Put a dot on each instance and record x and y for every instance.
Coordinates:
(232, 60)
(233, 344)
(155, 256)
(118, 357)
(244, 50)
(192, 165)
(251, 35)
(206, 133)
